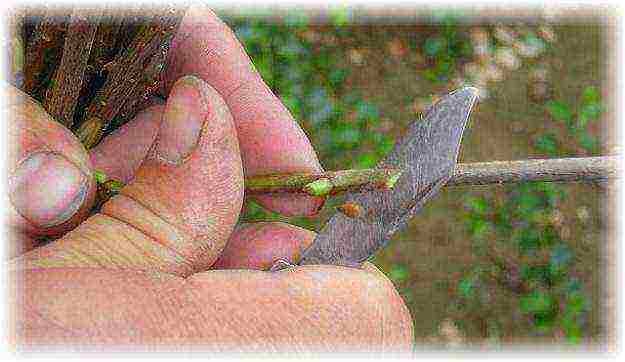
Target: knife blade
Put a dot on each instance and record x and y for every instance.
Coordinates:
(427, 154)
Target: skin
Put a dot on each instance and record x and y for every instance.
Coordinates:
(163, 263)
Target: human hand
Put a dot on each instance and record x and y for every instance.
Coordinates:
(140, 270)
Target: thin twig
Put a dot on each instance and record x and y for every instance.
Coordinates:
(321, 184)
(63, 93)
(553, 170)
(587, 169)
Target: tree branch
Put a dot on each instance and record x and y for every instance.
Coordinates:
(62, 97)
(327, 183)
(42, 50)
(552, 170)
(587, 169)
(127, 73)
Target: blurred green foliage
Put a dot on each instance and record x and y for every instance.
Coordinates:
(576, 119)
(444, 49)
(514, 236)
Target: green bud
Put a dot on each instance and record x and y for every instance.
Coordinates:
(392, 180)
(319, 187)
(99, 176)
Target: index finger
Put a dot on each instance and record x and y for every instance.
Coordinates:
(270, 139)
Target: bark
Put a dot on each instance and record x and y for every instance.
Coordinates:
(129, 68)
(589, 169)
(62, 97)
(327, 183)
(42, 50)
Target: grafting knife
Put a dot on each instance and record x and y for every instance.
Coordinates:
(427, 156)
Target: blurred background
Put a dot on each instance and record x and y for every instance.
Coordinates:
(483, 265)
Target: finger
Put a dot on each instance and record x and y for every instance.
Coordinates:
(181, 207)
(260, 245)
(314, 308)
(270, 140)
(51, 186)
(121, 153)
(18, 244)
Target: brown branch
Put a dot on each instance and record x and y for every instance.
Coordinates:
(552, 170)
(105, 41)
(16, 49)
(588, 169)
(42, 50)
(148, 86)
(62, 96)
(129, 67)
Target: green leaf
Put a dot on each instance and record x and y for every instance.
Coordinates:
(591, 95)
(576, 304)
(466, 286)
(366, 160)
(547, 144)
(296, 18)
(430, 75)
(536, 302)
(368, 112)
(588, 142)
(399, 273)
(346, 136)
(479, 227)
(559, 111)
(100, 176)
(559, 259)
(535, 42)
(571, 328)
(434, 45)
(589, 112)
(528, 239)
(477, 204)
(337, 76)
(340, 16)
(384, 146)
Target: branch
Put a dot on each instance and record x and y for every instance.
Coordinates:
(128, 71)
(327, 183)
(330, 183)
(63, 93)
(148, 85)
(16, 50)
(42, 50)
(552, 170)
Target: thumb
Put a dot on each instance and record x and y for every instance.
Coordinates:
(181, 207)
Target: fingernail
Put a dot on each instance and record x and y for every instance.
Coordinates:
(47, 189)
(184, 116)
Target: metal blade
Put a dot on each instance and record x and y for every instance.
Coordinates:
(427, 154)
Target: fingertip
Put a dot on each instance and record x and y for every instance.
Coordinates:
(183, 118)
(51, 186)
(289, 205)
(260, 245)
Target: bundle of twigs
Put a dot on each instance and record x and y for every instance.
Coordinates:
(92, 68)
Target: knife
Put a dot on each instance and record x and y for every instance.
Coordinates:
(427, 154)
